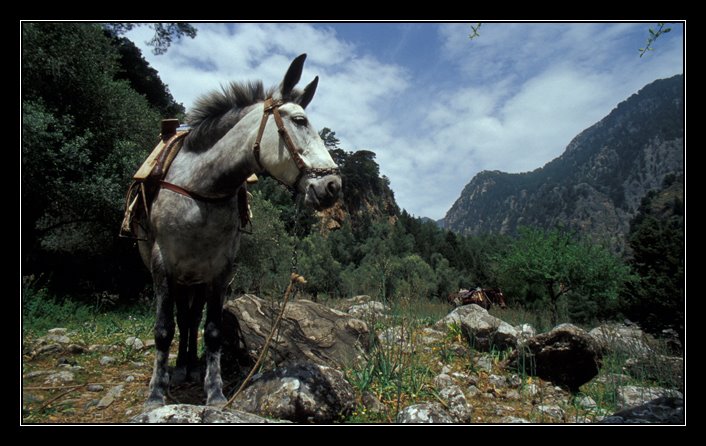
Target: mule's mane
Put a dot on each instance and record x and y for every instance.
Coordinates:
(216, 112)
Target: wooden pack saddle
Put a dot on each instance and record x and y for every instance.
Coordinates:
(148, 177)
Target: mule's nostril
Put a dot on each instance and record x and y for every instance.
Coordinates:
(333, 188)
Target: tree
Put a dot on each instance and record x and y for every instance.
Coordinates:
(164, 33)
(329, 138)
(557, 264)
(656, 241)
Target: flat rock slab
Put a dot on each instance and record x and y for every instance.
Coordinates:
(190, 414)
(309, 332)
(664, 410)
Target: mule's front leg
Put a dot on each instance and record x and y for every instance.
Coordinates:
(163, 333)
(213, 384)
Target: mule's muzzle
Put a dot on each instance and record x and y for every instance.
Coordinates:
(322, 193)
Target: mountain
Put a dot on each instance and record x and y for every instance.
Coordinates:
(597, 184)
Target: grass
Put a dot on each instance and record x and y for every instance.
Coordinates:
(397, 374)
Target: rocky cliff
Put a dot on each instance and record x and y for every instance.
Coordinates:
(597, 184)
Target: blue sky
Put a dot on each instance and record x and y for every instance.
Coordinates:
(435, 106)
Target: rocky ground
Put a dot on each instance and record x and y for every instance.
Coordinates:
(361, 362)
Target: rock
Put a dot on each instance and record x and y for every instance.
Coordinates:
(551, 410)
(345, 304)
(47, 349)
(587, 402)
(304, 393)
(457, 404)
(309, 332)
(76, 349)
(513, 420)
(615, 379)
(427, 413)
(442, 380)
(37, 373)
(110, 396)
(664, 410)
(371, 402)
(472, 391)
(137, 364)
(369, 310)
(61, 339)
(64, 361)
(566, 355)
(149, 343)
(462, 377)
(188, 414)
(481, 329)
(631, 396)
(513, 394)
(61, 377)
(98, 348)
(514, 381)
(94, 388)
(395, 336)
(530, 389)
(620, 338)
(129, 378)
(106, 360)
(497, 381)
(58, 331)
(661, 368)
(134, 343)
(446, 369)
(524, 332)
(485, 363)
(429, 336)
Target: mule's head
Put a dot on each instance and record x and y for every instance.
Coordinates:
(315, 174)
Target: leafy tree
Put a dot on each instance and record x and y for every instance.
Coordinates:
(318, 266)
(556, 264)
(263, 262)
(329, 138)
(656, 240)
(84, 133)
(164, 33)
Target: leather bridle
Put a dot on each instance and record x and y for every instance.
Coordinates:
(271, 106)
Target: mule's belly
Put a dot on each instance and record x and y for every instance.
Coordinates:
(197, 241)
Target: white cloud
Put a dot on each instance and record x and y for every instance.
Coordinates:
(509, 100)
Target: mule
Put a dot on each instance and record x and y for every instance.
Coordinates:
(193, 230)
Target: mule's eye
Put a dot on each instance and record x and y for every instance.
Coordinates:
(299, 120)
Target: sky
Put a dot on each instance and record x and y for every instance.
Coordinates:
(434, 105)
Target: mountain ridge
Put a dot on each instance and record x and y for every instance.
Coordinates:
(598, 182)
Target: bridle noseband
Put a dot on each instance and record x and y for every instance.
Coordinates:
(271, 106)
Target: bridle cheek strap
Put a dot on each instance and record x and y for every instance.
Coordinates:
(272, 106)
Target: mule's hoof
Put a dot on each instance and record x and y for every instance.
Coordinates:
(217, 401)
(154, 402)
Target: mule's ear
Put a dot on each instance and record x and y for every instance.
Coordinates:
(294, 73)
(308, 93)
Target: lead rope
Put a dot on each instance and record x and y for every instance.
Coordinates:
(294, 279)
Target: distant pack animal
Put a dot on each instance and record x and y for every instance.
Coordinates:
(482, 297)
(192, 232)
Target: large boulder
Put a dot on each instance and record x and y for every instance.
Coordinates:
(620, 338)
(189, 414)
(303, 393)
(668, 370)
(372, 310)
(424, 413)
(482, 330)
(566, 356)
(663, 410)
(632, 396)
(309, 332)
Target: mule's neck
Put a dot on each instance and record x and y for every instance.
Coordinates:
(220, 170)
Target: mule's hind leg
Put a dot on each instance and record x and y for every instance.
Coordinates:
(163, 332)
(183, 299)
(213, 383)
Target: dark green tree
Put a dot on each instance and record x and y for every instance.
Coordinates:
(557, 264)
(164, 33)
